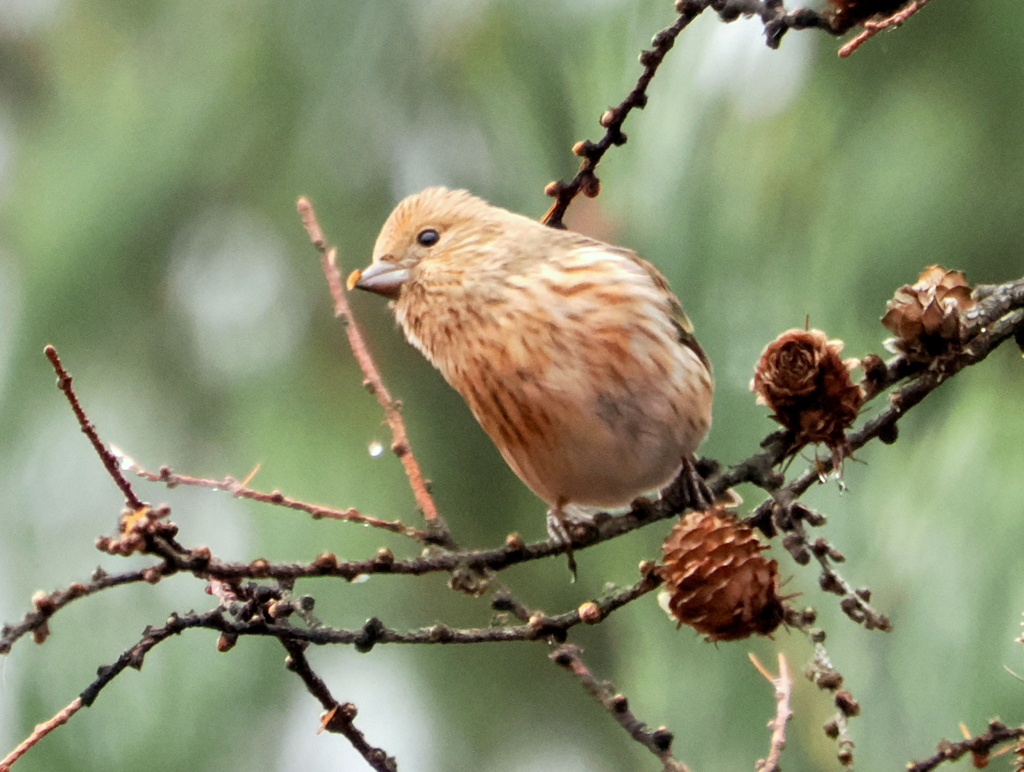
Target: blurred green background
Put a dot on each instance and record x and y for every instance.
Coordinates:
(151, 152)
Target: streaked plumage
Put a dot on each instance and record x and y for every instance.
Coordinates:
(573, 355)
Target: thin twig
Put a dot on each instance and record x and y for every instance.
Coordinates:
(250, 620)
(238, 489)
(657, 741)
(40, 731)
(400, 439)
(48, 604)
(538, 627)
(133, 657)
(783, 684)
(776, 21)
(855, 601)
(151, 636)
(872, 28)
(586, 181)
(980, 747)
(825, 676)
(110, 461)
(338, 717)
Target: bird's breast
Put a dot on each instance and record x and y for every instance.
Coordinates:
(590, 400)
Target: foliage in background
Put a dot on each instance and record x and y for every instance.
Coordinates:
(150, 155)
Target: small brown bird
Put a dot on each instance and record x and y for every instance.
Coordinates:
(574, 355)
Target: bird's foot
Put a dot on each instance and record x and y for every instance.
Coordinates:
(689, 491)
(560, 519)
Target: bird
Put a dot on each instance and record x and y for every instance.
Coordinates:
(573, 355)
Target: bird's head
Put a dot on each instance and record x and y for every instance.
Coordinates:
(433, 225)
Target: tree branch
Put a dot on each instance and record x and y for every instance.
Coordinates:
(872, 28)
(979, 747)
(40, 731)
(400, 440)
(776, 20)
(657, 741)
(586, 181)
(338, 717)
(238, 489)
(46, 605)
(783, 684)
(110, 461)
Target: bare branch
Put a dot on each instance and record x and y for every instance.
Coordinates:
(109, 459)
(586, 181)
(151, 636)
(783, 684)
(657, 741)
(538, 627)
(776, 20)
(979, 747)
(822, 673)
(872, 28)
(792, 519)
(337, 717)
(37, 622)
(238, 489)
(133, 657)
(400, 439)
(40, 731)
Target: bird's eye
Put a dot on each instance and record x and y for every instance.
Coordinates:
(428, 237)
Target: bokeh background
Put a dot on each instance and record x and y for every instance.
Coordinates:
(151, 152)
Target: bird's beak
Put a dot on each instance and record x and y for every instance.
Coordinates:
(382, 278)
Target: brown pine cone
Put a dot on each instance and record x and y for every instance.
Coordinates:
(802, 378)
(928, 316)
(716, 579)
